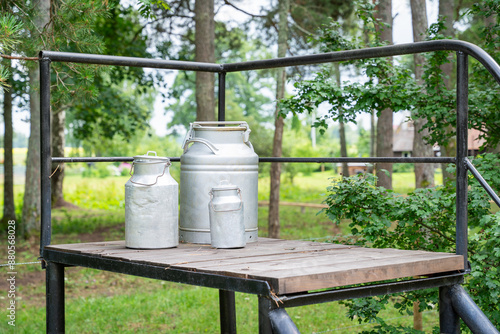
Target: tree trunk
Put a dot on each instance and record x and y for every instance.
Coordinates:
(205, 52)
(373, 127)
(32, 201)
(274, 196)
(424, 173)
(343, 149)
(58, 141)
(384, 123)
(343, 144)
(446, 9)
(9, 209)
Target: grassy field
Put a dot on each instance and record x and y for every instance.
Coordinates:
(102, 302)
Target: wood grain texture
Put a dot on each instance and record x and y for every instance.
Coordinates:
(289, 266)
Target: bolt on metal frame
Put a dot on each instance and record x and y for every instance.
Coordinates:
(453, 303)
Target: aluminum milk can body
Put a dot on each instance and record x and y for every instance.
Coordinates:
(151, 205)
(226, 212)
(212, 154)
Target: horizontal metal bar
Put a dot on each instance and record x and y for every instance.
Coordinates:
(469, 312)
(86, 58)
(361, 160)
(370, 290)
(384, 51)
(98, 159)
(281, 159)
(227, 283)
(483, 182)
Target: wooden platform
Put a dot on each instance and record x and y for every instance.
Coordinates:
(288, 266)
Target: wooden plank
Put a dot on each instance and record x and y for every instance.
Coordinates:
(367, 274)
(287, 260)
(304, 279)
(250, 251)
(85, 247)
(196, 253)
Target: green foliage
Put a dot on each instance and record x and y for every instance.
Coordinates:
(391, 84)
(126, 94)
(423, 220)
(484, 281)
(246, 92)
(147, 7)
(10, 32)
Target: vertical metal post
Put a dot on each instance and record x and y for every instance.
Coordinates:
(449, 322)
(462, 184)
(54, 276)
(45, 155)
(227, 306)
(265, 307)
(222, 97)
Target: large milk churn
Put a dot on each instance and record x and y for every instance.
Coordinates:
(151, 204)
(215, 152)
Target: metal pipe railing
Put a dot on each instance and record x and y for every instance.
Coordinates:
(281, 159)
(464, 49)
(483, 182)
(462, 181)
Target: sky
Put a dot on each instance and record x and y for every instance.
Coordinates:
(402, 33)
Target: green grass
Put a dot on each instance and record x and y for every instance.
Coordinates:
(149, 306)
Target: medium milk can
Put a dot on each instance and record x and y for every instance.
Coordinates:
(213, 152)
(227, 225)
(151, 204)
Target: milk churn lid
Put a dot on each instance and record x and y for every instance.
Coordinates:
(146, 158)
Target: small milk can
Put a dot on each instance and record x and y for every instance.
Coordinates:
(151, 204)
(227, 224)
(216, 151)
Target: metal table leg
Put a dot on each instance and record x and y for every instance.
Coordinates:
(227, 306)
(265, 307)
(449, 322)
(55, 297)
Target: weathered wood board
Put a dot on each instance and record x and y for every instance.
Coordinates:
(289, 266)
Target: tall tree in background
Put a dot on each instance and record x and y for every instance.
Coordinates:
(424, 173)
(383, 14)
(52, 25)
(205, 52)
(9, 209)
(446, 13)
(274, 196)
(32, 201)
(343, 143)
(9, 37)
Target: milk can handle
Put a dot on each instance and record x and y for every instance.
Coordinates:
(202, 141)
(157, 177)
(246, 135)
(212, 203)
(243, 124)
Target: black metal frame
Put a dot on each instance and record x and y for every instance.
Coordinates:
(271, 319)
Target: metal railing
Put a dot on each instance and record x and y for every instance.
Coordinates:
(463, 50)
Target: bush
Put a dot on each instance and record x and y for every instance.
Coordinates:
(424, 219)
